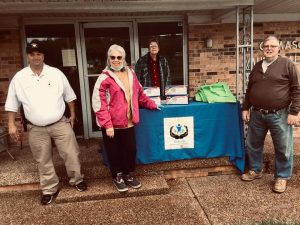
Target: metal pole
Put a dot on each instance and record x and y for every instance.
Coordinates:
(237, 52)
(251, 49)
(244, 49)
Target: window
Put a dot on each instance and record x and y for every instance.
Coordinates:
(170, 38)
(56, 38)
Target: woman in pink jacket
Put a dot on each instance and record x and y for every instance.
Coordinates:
(116, 98)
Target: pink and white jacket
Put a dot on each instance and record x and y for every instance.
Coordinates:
(109, 102)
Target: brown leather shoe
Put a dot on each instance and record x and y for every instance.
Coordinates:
(279, 185)
(251, 175)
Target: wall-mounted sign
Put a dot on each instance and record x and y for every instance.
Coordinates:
(68, 57)
(285, 45)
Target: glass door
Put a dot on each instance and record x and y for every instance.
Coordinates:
(59, 44)
(96, 39)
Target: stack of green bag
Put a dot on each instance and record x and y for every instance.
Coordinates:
(217, 92)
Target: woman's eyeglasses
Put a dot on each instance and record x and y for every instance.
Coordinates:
(114, 57)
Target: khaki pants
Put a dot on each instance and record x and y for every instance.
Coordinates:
(41, 147)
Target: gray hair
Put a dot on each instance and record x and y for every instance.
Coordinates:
(118, 48)
(271, 37)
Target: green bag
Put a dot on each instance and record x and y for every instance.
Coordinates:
(200, 96)
(217, 92)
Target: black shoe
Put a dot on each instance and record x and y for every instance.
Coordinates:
(132, 181)
(119, 183)
(81, 186)
(47, 199)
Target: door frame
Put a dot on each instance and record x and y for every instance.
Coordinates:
(88, 111)
(109, 21)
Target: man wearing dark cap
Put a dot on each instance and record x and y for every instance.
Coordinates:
(43, 91)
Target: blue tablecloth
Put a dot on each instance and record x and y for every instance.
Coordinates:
(218, 132)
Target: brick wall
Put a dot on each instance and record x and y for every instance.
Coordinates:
(210, 65)
(10, 63)
(218, 63)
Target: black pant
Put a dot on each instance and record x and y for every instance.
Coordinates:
(121, 150)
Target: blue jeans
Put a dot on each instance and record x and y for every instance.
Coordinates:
(282, 136)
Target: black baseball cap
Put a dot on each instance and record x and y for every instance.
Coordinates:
(34, 45)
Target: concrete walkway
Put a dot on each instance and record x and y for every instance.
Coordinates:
(222, 199)
(205, 200)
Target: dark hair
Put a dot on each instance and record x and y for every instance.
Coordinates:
(153, 40)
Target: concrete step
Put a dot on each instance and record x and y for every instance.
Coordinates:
(19, 174)
(18, 178)
(24, 170)
(100, 189)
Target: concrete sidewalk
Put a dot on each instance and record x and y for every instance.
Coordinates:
(214, 200)
(196, 198)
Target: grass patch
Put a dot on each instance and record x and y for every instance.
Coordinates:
(276, 223)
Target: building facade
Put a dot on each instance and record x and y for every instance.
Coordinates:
(197, 37)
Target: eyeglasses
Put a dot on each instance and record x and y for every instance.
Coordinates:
(114, 57)
(270, 46)
(153, 46)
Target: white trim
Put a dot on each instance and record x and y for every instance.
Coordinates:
(185, 57)
(89, 19)
(264, 18)
(280, 17)
(23, 43)
(119, 6)
(149, 19)
(101, 24)
(81, 80)
(207, 19)
(135, 43)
